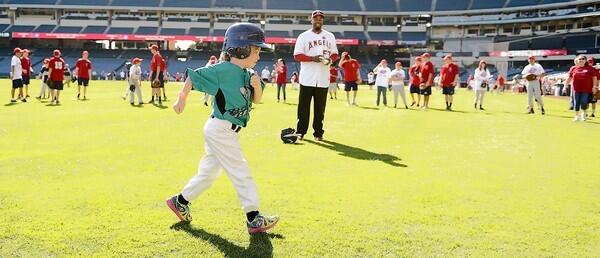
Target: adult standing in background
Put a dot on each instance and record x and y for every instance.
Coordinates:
(316, 50)
(481, 80)
(281, 69)
(16, 75)
(351, 76)
(382, 72)
(533, 74)
(157, 73)
(583, 81)
(448, 80)
(83, 71)
(397, 81)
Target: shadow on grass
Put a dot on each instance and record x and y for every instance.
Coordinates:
(371, 108)
(161, 106)
(10, 104)
(260, 243)
(290, 104)
(453, 110)
(358, 153)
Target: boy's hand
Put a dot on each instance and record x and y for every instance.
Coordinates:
(254, 81)
(179, 105)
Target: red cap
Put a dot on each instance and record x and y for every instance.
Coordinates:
(153, 46)
(26, 51)
(136, 60)
(591, 60)
(17, 50)
(56, 52)
(46, 60)
(426, 55)
(316, 13)
(85, 52)
(448, 56)
(418, 58)
(531, 57)
(344, 53)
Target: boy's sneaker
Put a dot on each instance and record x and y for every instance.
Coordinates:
(182, 211)
(13, 101)
(261, 223)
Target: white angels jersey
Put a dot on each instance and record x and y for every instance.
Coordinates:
(312, 44)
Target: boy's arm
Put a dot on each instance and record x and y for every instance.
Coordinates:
(182, 96)
(256, 84)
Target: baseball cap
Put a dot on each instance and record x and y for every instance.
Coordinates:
(418, 58)
(448, 56)
(25, 50)
(531, 57)
(46, 60)
(137, 59)
(153, 46)
(17, 50)
(56, 52)
(426, 55)
(317, 13)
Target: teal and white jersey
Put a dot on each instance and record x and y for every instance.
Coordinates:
(230, 86)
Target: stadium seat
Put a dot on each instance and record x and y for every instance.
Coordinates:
(187, 3)
(291, 5)
(20, 28)
(31, 2)
(68, 29)
(452, 5)
(199, 31)
(516, 3)
(414, 36)
(547, 43)
(88, 2)
(360, 35)
(383, 35)
(276, 33)
(45, 28)
(172, 31)
(487, 4)
(580, 42)
(415, 6)
(380, 5)
(146, 30)
(94, 29)
(348, 5)
(246, 4)
(518, 45)
(150, 3)
(119, 30)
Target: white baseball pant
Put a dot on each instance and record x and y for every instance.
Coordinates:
(479, 94)
(43, 88)
(223, 150)
(534, 91)
(138, 92)
(399, 89)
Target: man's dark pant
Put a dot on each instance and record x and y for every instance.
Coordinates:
(307, 93)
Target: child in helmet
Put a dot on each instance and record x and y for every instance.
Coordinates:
(226, 80)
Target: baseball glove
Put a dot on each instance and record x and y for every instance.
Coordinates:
(422, 86)
(288, 135)
(530, 77)
(155, 84)
(597, 95)
(132, 88)
(325, 60)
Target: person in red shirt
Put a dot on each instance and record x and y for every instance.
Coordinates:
(157, 70)
(281, 69)
(583, 79)
(26, 65)
(592, 99)
(415, 81)
(427, 73)
(448, 80)
(83, 71)
(351, 76)
(56, 69)
(500, 84)
(333, 74)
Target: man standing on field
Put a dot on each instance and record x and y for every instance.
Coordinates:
(316, 49)
(83, 71)
(351, 76)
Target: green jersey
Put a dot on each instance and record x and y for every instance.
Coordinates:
(230, 86)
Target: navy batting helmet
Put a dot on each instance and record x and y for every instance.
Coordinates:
(240, 36)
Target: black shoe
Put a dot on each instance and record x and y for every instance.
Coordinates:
(27, 96)
(320, 139)
(206, 104)
(481, 108)
(413, 103)
(571, 108)
(531, 111)
(13, 101)
(38, 97)
(57, 102)
(475, 105)
(77, 95)
(131, 103)
(24, 100)
(395, 106)
(405, 106)
(543, 111)
(165, 98)
(593, 115)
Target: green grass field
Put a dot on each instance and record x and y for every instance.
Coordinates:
(89, 178)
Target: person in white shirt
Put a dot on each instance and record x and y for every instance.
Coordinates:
(16, 75)
(316, 50)
(533, 74)
(371, 80)
(397, 81)
(265, 75)
(481, 80)
(382, 72)
(135, 81)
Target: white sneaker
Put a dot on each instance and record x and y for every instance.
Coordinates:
(582, 118)
(576, 119)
